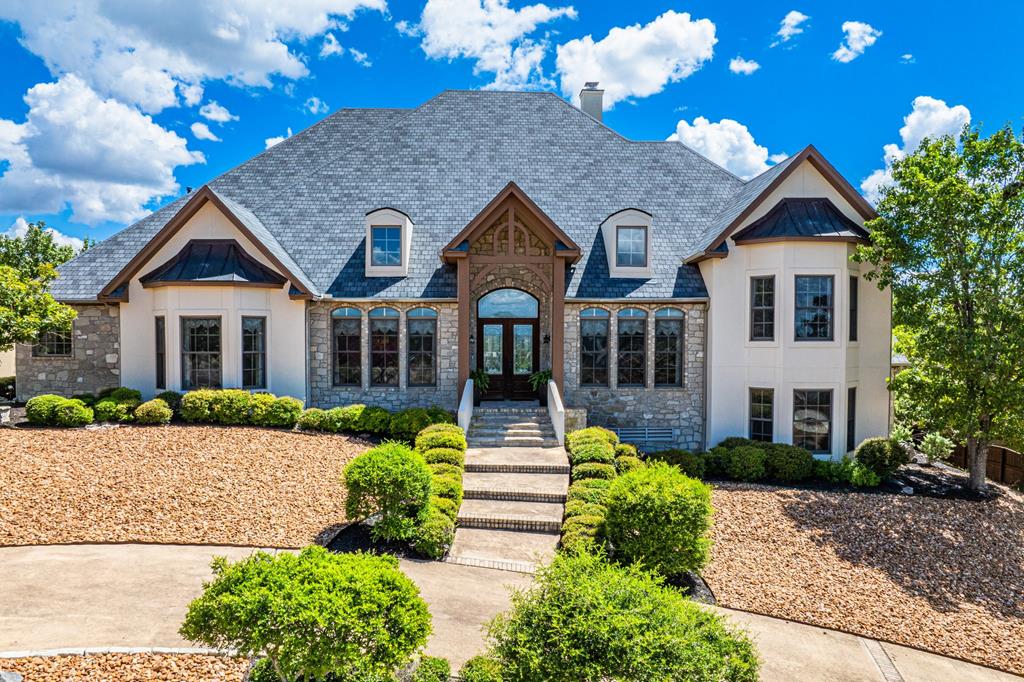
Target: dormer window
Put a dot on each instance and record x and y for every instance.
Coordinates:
(627, 241)
(388, 240)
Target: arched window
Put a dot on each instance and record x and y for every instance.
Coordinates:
(346, 330)
(422, 330)
(507, 303)
(384, 347)
(669, 325)
(632, 353)
(594, 347)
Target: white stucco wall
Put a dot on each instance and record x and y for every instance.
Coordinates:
(736, 364)
(286, 322)
(7, 363)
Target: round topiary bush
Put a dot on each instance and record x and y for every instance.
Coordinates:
(312, 419)
(691, 463)
(448, 437)
(439, 415)
(172, 398)
(587, 493)
(580, 539)
(737, 442)
(445, 506)
(481, 668)
(283, 412)
(109, 410)
(591, 434)
(593, 521)
(581, 508)
(196, 406)
(449, 487)
(594, 451)
(452, 456)
(72, 413)
(585, 619)
(375, 420)
(40, 409)
(715, 461)
(231, 406)
(746, 463)
(660, 517)
(593, 470)
(442, 426)
(434, 534)
(440, 469)
(125, 395)
(626, 450)
(881, 456)
(154, 411)
(627, 463)
(390, 480)
(788, 463)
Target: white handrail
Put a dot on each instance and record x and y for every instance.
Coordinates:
(466, 406)
(556, 411)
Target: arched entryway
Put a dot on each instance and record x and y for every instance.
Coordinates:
(508, 346)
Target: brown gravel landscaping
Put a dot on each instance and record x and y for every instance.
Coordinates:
(942, 575)
(128, 668)
(172, 484)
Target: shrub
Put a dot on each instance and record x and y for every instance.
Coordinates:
(172, 398)
(580, 539)
(627, 463)
(935, 446)
(593, 470)
(434, 534)
(108, 410)
(481, 668)
(283, 412)
(439, 415)
(788, 463)
(259, 407)
(312, 419)
(302, 630)
(341, 419)
(88, 399)
(881, 456)
(581, 508)
(391, 480)
(231, 406)
(593, 433)
(594, 522)
(407, 423)
(626, 450)
(155, 411)
(125, 395)
(445, 456)
(446, 438)
(586, 619)
(375, 420)
(691, 463)
(196, 406)
(716, 460)
(746, 463)
(592, 494)
(105, 392)
(660, 517)
(862, 477)
(432, 669)
(40, 409)
(441, 469)
(836, 473)
(72, 413)
(449, 487)
(733, 442)
(442, 426)
(445, 506)
(595, 451)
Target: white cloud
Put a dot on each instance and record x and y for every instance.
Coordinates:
(191, 93)
(929, 118)
(20, 229)
(201, 131)
(907, 58)
(315, 105)
(330, 46)
(637, 61)
(361, 58)
(859, 37)
(271, 141)
(492, 34)
(744, 66)
(212, 111)
(790, 26)
(728, 143)
(104, 159)
(143, 53)
(408, 29)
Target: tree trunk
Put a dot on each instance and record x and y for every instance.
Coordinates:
(977, 463)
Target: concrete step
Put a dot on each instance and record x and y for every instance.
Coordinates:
(521, 487)
(513, 442)
(551, 460)
(511, 515)
(510, 431)
(502, 549)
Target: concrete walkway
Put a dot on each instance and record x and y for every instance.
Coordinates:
(136, 595)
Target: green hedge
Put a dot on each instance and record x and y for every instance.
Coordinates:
(593, 470)
(453, 456)
(55, 410)
(593, 451)
(235, 407)
(359, 418)
(155, 411)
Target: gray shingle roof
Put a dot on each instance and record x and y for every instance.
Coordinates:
(441, 163)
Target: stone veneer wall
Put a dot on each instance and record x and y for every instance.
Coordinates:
(94, 363)
(324, 394)
(514, 277)
(680, 408)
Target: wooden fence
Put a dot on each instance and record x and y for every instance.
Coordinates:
(1004, 465)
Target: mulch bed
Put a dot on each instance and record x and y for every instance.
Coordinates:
(172, 484)
(939, 574)
(128, 668)
(356, 538)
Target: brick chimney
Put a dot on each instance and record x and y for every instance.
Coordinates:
(592, 100)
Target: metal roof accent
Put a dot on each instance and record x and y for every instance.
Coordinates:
(215, 262)
(802, 218)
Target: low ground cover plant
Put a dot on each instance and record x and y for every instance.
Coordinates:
(332, 616)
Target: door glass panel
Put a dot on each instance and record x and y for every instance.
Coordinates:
(522, 345)
(492, 348)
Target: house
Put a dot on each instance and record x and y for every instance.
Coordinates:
(383, 254)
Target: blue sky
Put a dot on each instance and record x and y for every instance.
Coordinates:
(107, 110)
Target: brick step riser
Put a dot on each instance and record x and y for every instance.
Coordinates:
(514, 496)
(518, 468)
(504, 429)
(528, 525)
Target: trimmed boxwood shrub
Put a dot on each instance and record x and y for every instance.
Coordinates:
(595, 451)
(445, 456)
(481, 668)
(450, 436)
(40, 409)
(434, 534)
(733, 442)
(881, 456)
(109, 410)
(432, 669)
(391, 480)
(231, 406)
(375, 420)
(627, 463)
(312, 419)
(442, 426)
(445, 506)
(690, 463)
(626, 450)
(585, 619)
(154, 411)
(72, 413)
(787, 463)
(449, 487)
(125, 395)
(88, 399)
(590, 434)
(172, 398)
(594, 521)
(283, 412)
(593, 470)
(660, 517)
(579, 539)
(593, 490)
(581, 508)
(746, 463)
(407, 423)
(715, 461)
(441, 469)
(439, 415)
(196, 406)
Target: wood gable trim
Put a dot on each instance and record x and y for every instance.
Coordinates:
(453, 251)
(199, 199)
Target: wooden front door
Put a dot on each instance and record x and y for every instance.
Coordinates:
(508, 351)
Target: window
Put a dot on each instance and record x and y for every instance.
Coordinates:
(851, 418)
(387, 245)
(632, 356)
(853, 308)
(161, 353)
(762, 414)
(814, 307)
(631, 246)
(762, 308)
(668, 347)
(383, 347)
(422, 327)
(346, 329)
(52, 344)
(254, 352)
(812, 420)
(594, 347)
(200, 353)
(507, 303)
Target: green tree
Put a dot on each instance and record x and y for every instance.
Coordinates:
(312, 616)
(37, 247)
(26, 309)
(949, 240)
